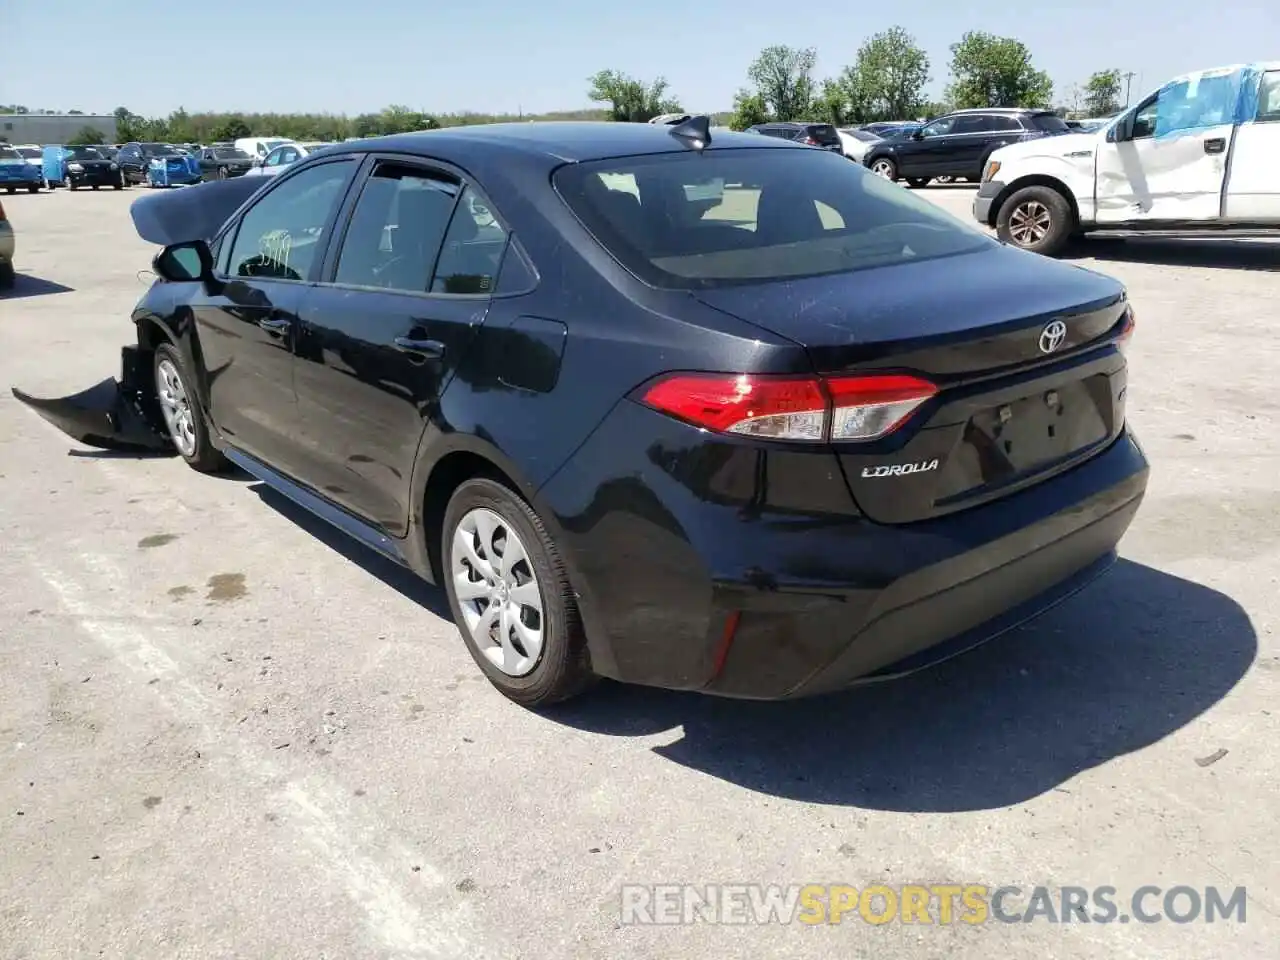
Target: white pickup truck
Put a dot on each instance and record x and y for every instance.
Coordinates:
(1201, 154)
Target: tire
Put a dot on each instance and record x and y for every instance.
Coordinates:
(1038, 219)
(917, 183)
(945, 179)
(483, 509)
(34, 188)
(119, 184)
(72, 186)
(95, 186)
(8, 275)
(10, 190)
(190, 433)
(884, 167)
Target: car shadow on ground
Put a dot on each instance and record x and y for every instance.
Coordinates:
(26, 287)
(1230, 254)
(1132, 659)
(400, 579)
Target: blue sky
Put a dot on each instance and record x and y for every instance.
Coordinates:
(498, 55)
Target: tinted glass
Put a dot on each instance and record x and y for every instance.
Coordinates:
(472, 251)
(1269, 97)
(780, 214)
(82, 153)
(396, 230)
(1005, 123)
(280, 236)
(939, 127)
(29, 152)
(1049, 123)
(9, 154)
(972, 124)
(823, 133)
(229, 153)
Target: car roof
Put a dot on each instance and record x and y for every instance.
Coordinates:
(567, 141)
(1009, 111)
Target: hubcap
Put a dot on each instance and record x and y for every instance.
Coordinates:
(498, 592)
(882, 168)
(176, 408)
(1029, 223)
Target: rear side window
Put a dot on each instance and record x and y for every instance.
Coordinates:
(1048, 123)
(1269, 97)
(395, 232)
(749, 215)
(472, 251)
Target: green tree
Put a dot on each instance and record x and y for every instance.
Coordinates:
(991, 71)
(890, 74)
(129, 126)
(1102, 93)
(230, 128)
(783, 80)
(89, 135)
(748, 110)
(631, 100)
(832, 104)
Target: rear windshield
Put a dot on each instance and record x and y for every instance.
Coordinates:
(7, 153)
(29, 152)
(1049, 123)
(728, 217)
(83, 153)
(229, 153)
(823, 133)
(866, 136)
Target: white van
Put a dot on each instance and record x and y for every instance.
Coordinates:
(259, 147)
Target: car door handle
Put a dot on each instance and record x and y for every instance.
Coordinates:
(275, 325)
(426, 349)
(1215, 145)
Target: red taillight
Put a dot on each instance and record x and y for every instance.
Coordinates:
(1126, 330)
(810, 141)
(808, 409)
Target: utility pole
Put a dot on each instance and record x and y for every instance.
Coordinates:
(1128, 82)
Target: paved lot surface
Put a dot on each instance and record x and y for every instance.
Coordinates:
(226, 732)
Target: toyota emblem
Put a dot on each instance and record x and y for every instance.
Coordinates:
(1052, 336)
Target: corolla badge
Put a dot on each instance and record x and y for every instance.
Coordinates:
(1052, 336)
(900, 469)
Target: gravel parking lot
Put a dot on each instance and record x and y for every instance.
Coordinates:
(227, 732)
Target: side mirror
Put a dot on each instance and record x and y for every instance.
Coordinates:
(184, 262)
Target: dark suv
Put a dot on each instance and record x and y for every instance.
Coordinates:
(821, 135)
(958, 144)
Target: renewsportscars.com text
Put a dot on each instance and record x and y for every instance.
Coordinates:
(939, 903)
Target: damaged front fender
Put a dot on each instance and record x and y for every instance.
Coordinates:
(112, 415)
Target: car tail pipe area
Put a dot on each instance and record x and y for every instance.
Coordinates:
(115, 414)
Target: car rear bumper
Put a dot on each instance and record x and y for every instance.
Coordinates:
(723, 597)
(982, 201)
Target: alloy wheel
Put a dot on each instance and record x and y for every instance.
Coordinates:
(498, 591)
(175, 406)
(1029, 223)
(883, 168)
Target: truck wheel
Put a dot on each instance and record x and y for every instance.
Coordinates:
(511, 597)
(34, 188)
(8, 275)
(1038, 219)
(917, 182)
(11, 190)
(886, 168)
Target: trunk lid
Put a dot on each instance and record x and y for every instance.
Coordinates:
(1007, 414)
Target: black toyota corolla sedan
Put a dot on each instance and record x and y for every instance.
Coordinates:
(703, 411)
